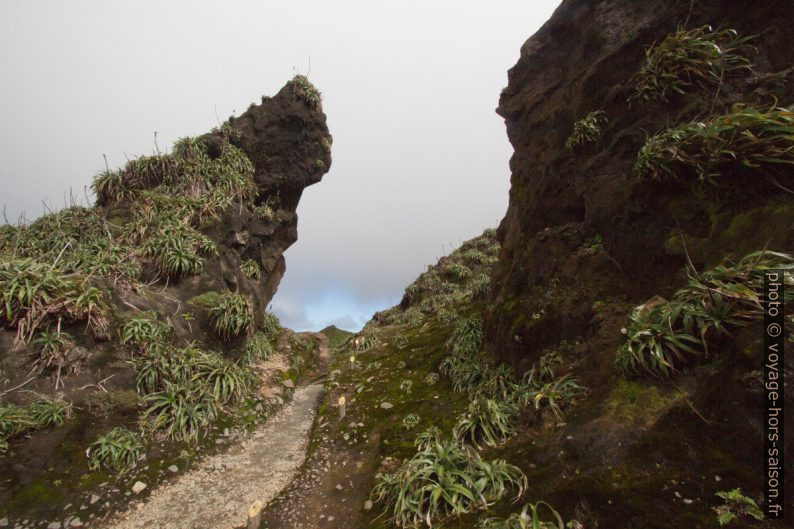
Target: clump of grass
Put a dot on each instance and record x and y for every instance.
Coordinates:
(736, 505)
(487, 421)
(586, 130)
(42, 413)
(35, 293)
(250, 269)
(457, 271)
(303, 89)
(412, 317)
(55, 352)
(550, 391)
(410, 421)
(745, 139)
(664, 336)
(406, 384)
(231, 313)
(271, 325)
(47, 412)
(181, 411)
(176, 255)
(431, 379)
(700, 57)
(399, 341)
(144, 331)
(444, 478)
(467, 337)
(529, 518)
(117, 450)
(257, 349)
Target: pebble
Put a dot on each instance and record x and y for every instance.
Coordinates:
(289, 383)
(54, 525)
(138, 487)
(94, 499)
(173, 468)
(386, 405)
(3, 522)
(368, 505)
(76, 522)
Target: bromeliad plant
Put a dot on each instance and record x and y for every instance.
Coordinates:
(143, 332)
(664, 336)
(586, 130)
(257, 349)
(487, 422)
(444, 478)
(118, 450)
(181, 411)
(700, 57)
(231, 313)
(529, 518)
(250, 269)
(746, 139)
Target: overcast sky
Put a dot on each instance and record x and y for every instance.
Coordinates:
(420, 159)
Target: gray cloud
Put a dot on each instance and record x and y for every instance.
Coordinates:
(420, 158)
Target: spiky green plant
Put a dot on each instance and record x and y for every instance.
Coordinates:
(144, 331)
(257, 349)
(664, 336)
(54, 348)
(117, 450)
(457, 271)
(555, 393)
(271, 325)
(174, 255)
(744, 141)
(586, 130)
(47, 412)
(736, 505)
(431, 379)
(405, 385)
(228, 382)
(35, 293)
(250, 269)
(181, 411)
(444, 478)
(14, 420)
(410, 421)
(467, 337)
(231, 313)
(487, 421)
(305, 90)
(399, 341)
(465, 371)
(529, 518)
(700, 57)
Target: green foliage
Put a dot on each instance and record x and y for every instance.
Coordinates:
(410, 421)
(46, 412)
(406, 384)
(736, 505)
(228, 381)
(144, 332)
(586, 130)
(444, 478)
(271, 325)
(231, 313)
(174, 254)
(552, 392)
(257, 349)
(487, 421)
(250, 269)
(117, 450)
(431, 379)
(14, 420)
(35, 293)
(699, 57)
(529, 518)
(54, 348)
(467, 337)
(181, 411)
(745, 139)
(457, 271)
(399, 341)
(664, 336)
(303, 89)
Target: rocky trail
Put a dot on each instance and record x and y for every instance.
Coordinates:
(218, 493)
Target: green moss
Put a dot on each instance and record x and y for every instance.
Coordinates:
(631, 401)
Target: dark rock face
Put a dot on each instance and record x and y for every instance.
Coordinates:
(580, 61)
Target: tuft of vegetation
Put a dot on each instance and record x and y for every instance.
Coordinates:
(250, 269)
(42, 413)
(487, 421)
(271, 325)
(431, 379)
(410, 421)
(736, 505)
(54, 351)
(529, 518)
(117, 450)
(700, 57)
(586, 130)
(144, 331)
(46, 412)
(744, 139)
(405, 385)
(304, 90)
(181, 411)
(257, 349)
(34, 294)
(231, 313)
(552, 392)
(664, 336)
(444, 478)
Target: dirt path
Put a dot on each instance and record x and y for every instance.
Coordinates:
(218, 493)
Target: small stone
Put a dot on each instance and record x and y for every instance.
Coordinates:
(386, 405)
(4, 522)
(226, 432)
(289, 383)
(173, 468)
(76, 522)
(54, 525)
(339, 487)
(330, 518)
(368, 505)
(138, 487)
(94, 499)
(688, 501)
